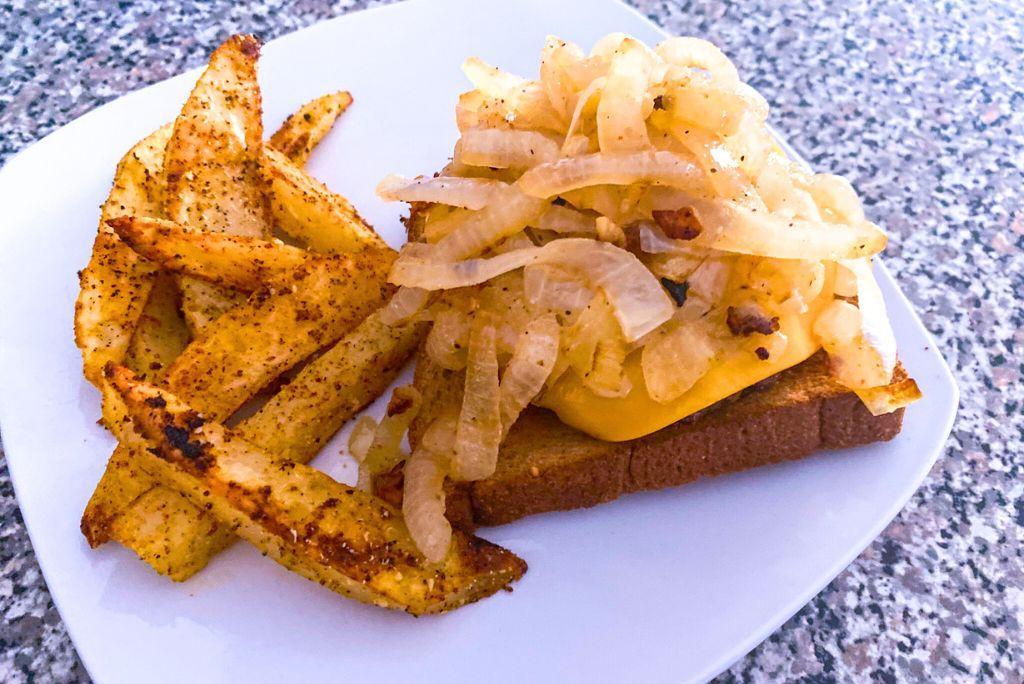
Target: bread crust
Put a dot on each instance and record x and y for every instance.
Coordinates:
(545, 465)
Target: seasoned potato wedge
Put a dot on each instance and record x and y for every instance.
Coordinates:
(303, 130)
(202, 303)
(122, 482)
(212, 165)
(307, 211)
(294, 424)
(299, 419)
(241, 353)
(212, 159)
(161, 333)
(275, 329)
(236, 261)
(343, 538)
(116, 282)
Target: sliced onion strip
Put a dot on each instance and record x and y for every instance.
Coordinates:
(698, 54)
(639, 302)
(479, 429)
(547, 287)
(385, 449)
(414, 271)
(423, 504)
(620, 113)
(448, 339)
(566, 220)
(731, 228)
(659, 167)
(505, 148)
(675, 360)
(476, 231)
(889, 398)
(469, 193)
(532, 361)
(404, 304)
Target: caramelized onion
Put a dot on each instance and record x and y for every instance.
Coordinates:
(532, 361)
(416, 267)
(404, 304)
(479, 430)
(385, 449)
(548, 287)
(470, 193)
(613, 168)
(698, 54)
(556, 59)
(889, 398)
(637, 298)
(676, 359)
(423, 504)
(505, 148)
(509, 214)
(448, 340)
(566, 220)
(731, 228)
(620, 113)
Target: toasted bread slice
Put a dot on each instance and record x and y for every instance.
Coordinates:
(545, 465)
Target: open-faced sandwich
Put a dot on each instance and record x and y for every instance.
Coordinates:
(629, 285)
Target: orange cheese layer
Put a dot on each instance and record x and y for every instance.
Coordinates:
(636, 414)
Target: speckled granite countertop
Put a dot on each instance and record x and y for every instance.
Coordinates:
(920, 105)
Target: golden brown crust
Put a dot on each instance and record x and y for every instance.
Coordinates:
(338, 536)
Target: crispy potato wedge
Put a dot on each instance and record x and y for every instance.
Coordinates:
(242, 352)
(161, 334)
(343, 538)
(241, 262)
(299, 419)
(122, 481)
(212, 159)
(253, 344)
(202, 303)
(212, 165)
(176, 538)
(116, 282)
(303, 130)
(307, 211)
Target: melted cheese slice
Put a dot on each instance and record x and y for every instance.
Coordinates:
(636, 414)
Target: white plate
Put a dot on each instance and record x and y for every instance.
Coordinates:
(673, 585)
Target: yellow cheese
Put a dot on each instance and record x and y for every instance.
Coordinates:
(636, 414)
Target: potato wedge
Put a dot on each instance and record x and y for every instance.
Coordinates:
(212, 165)
(161, 334)
(122, 482)
(303, 130)
(212, 159)
(253, 344)
(236, 261)
(343, 538)
(299, 419)
(307, 211)
(116, 282)
(177, 541)
(242, 352)
(202, 303)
